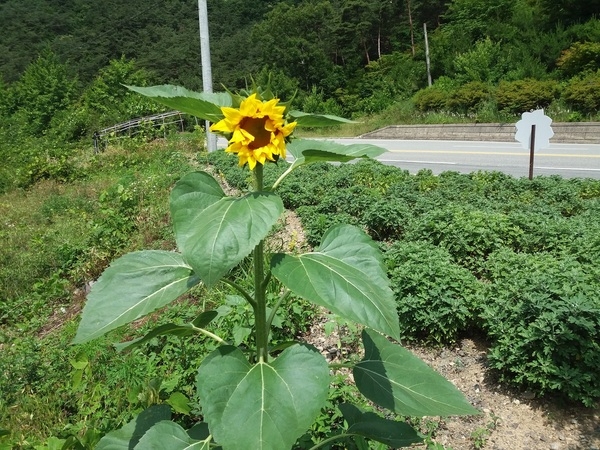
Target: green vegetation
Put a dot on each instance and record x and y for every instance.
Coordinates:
(461, 250)
(512, 259)
(490, 61)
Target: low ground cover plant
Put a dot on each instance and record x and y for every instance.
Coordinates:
(465, 250)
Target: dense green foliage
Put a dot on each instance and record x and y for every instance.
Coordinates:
(461, 250)
(514, 260)
(62, 67)
(63, 64)
(356, 57)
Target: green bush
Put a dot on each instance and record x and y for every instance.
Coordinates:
(525, 95)
(580, 57)
(431, 98)
(469, 97)
(387, 219)
(436, 298)
(468, 234)
(45, 88)
(583, 94)
(543, 316)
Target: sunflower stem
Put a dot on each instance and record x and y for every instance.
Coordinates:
(260, 307)
(283, 175)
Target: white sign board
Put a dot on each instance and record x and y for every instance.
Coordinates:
(543, 130)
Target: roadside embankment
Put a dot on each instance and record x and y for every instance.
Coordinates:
(576, 132)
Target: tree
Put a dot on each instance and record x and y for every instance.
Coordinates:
(306, 50)
(45, 88)
(568, 12)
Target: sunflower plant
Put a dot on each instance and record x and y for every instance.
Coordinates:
(270, 396)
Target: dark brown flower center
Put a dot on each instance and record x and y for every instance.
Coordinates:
(256, 127)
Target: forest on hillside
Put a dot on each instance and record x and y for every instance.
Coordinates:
(63, 62)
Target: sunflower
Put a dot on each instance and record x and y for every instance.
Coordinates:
(258, 130)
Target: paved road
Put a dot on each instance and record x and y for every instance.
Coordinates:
(566, 160)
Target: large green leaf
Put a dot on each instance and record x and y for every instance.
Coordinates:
(199, 189)
(167, 435)
(390, 432)
(133, 286)
(316, 120)
(394, 378)
(344, 275)
(306, 151)
(215, 239)
(170, 329)
(129, 435)
(266, 406)
(204, 105)
(191, 195)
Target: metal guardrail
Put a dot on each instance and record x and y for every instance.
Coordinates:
(132, 127)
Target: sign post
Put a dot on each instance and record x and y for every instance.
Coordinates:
(534, 132)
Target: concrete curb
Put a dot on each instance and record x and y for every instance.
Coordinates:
(576, 132)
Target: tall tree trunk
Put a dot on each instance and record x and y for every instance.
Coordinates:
(410, 22)
(379, 42)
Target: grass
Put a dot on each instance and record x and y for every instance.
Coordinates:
(54, 238)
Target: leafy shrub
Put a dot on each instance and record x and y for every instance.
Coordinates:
(436, 298)
(306, 186)
(387, 219)
(45, 89)
(468, 234)
(486, 62)
(543, 315)
(580, 57)
(431, 98)
(583, 94)
(525, 95)
(468, 97)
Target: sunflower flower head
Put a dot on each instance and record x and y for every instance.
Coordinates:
(258, 130)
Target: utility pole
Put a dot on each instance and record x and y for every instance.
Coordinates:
(427, 55)
(211, 139)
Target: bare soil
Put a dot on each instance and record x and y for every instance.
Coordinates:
(510, 420)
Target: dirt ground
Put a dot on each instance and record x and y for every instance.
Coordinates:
(510, 420)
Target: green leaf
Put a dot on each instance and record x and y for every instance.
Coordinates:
(197, 188)
(191, 195)
(316, 120)
(204, 105)
(170, 329)
(215, 239)
(167, 435)
(346, 276)
(179, 403)
(129, 435)
(390, 432)
(133, 286)
(306, 151)
(265, 406)
(394, 378)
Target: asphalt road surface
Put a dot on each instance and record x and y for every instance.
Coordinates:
(566, 160)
